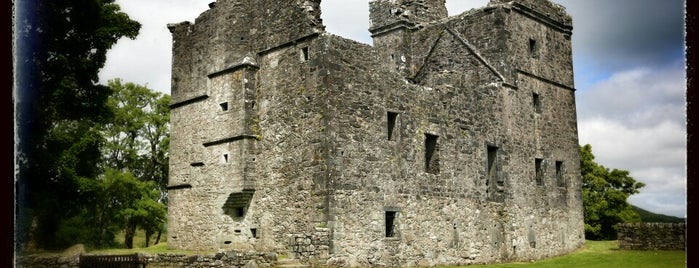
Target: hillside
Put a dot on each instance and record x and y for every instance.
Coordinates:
(647, 216)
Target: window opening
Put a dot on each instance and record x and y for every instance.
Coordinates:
(536, 100)
(538, 175)
(253, 231)
(431, 154)
(237, 204)
(225, 158)
(533, 48)
(239, 212)
(559, 174)
(492, 164)
(224, 106)
(391, 116)
(390, 223)
(304, 54)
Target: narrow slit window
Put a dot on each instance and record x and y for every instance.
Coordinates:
(304, 54)
(391, 116)
(224, 106)
(559, 174)
(225, 158)
(492, 164)
(533, 48)
(538, 173)
(431, 154)
(536, 100)
(253, 231)
(390, 223)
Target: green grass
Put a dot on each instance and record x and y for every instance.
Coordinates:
(595, 254)
(152, 250)
(605, 254)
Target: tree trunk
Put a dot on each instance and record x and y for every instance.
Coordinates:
(157, 240)
(148, 234)
(129, 234)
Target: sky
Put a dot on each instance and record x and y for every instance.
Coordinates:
(629, 65)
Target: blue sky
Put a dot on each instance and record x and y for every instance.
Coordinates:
(629, 65)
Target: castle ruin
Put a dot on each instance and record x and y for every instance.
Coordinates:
(451, 140)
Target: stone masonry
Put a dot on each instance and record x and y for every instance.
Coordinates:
(652, 236)
(450, 140)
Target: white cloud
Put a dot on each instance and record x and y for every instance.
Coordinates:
(635, 121)
(147, 60)
(638, 97)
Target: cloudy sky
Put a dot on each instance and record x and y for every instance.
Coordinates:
(629, 66)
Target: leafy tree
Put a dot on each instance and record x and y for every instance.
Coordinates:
(61, 44)
(117, 199)
(604, 195)
(137, 142)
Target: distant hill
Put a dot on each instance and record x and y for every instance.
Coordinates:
(647, 216)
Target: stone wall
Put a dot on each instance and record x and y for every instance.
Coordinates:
(166, 260)
(223, 259)
(47, 261)
(652, 236)
(448, 142)
(311, 247)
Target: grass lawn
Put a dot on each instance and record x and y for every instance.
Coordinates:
(595, 254)
(599, 254)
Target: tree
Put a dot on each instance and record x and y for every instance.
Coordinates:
(61, 45)
(117, 199)
(137, 142)
(604, 193)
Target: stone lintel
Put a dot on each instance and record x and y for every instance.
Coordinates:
(546, 80)
(230, 139)
(288, 44)
(398, 25)
(542, 18)
(188, 101)
(179, 186)
(241, 65)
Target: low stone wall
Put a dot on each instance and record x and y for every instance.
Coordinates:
(311, 247)
(47, 261)
(224, 259)
(652, 236)
(165, 260)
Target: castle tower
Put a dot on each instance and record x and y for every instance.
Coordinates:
(452, 140)
(536, 39)
(215, 80)
(391, 22)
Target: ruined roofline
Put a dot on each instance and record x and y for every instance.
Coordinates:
(563, 23)
(544, 11)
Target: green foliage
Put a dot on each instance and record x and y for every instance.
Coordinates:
(604, 193)
(62, 46)
(137, 141)
(138, 137)
(113, 200)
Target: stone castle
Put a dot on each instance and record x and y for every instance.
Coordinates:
(451, 140)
